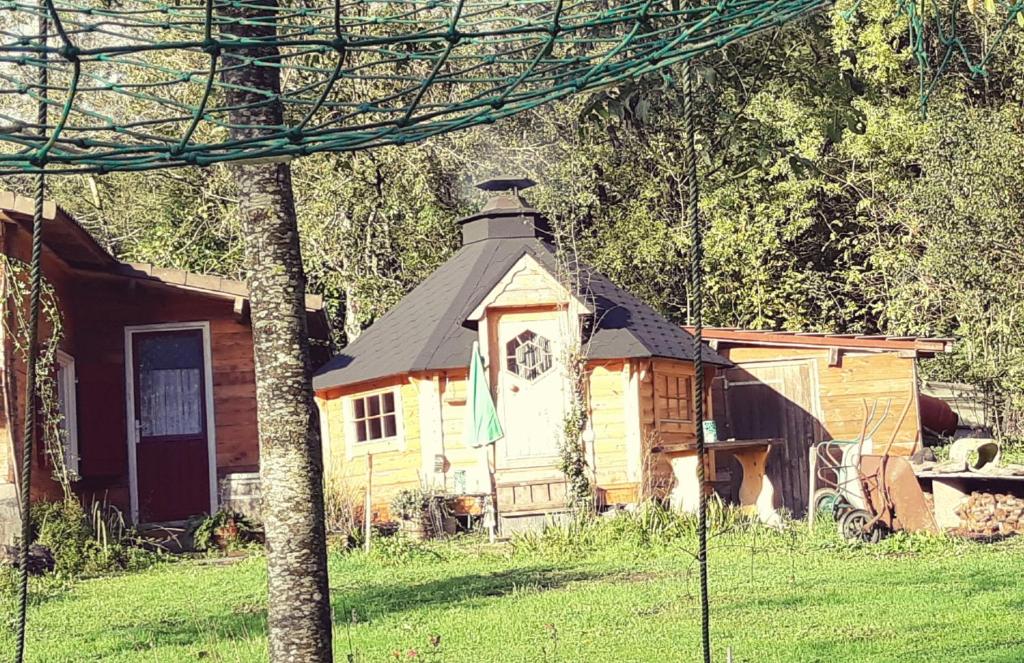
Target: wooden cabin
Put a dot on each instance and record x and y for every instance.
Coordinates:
(154, 376)
(803, 388)
(393, 402)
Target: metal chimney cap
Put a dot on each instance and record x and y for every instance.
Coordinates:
(506, 184)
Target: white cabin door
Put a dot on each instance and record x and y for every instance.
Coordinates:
(531, 390)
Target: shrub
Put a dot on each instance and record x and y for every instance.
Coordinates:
(420, 506)
(88, 544)
(63, 528)
(343, 508)
(409, 504)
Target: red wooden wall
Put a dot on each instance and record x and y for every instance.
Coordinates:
(96, 308)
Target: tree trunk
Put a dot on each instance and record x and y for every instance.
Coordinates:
(291, 465)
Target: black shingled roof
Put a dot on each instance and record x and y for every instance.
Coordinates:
(428, 330)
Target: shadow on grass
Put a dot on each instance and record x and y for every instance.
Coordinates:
(382, 600)
(249, 621)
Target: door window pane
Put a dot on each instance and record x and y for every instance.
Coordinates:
(170, 370)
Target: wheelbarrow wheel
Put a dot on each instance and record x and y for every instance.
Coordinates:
(828, 502)
(853, 527)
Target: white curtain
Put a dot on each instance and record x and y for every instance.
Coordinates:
(171, 401)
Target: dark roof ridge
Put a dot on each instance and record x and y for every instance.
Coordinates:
(456, 313)
(427, 329)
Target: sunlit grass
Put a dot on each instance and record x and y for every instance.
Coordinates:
(790, 596)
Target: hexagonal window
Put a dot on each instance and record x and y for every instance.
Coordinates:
(529, 355)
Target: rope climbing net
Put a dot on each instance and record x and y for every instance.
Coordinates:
(141, 84)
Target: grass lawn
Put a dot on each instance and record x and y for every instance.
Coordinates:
(775, 597)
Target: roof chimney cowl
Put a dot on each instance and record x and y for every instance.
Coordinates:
(505, 215)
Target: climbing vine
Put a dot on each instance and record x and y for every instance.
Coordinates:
(14, 297)
(572, 448)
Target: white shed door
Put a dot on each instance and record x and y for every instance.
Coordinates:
(531, 390)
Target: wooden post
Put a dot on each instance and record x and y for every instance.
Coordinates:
(812, 470)
(492, 456)
(368, 508)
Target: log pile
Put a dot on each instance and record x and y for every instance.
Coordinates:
(988, 514)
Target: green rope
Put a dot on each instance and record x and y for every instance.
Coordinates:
(139, 84)
(697, 320)
(31, 360)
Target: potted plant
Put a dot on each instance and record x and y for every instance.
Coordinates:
(224, 531)
(410, 506)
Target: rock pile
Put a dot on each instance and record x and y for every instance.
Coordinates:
(989, 514)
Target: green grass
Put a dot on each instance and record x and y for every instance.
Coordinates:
(788, 596)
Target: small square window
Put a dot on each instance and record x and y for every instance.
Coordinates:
(375, 417)
(673, 402)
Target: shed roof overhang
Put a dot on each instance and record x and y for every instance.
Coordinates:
(79, 250)
(917, 346)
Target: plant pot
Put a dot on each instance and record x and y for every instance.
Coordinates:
(414, 529)
(226, 535)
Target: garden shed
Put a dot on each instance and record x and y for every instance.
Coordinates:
(154, 378)
(803, 388)
(398, 393)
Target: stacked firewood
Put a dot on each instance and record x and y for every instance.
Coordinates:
(989, 514)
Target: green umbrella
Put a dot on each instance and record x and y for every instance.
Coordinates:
(482, 426)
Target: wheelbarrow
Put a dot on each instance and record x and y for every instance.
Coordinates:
(836, 468)
(893, 499)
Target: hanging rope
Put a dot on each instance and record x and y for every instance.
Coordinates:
(31, 362)
(697, 320)
(139, 84)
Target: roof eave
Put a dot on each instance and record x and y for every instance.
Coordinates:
(920, 346)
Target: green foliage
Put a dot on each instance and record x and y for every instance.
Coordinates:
(88, 544)
(421, 506)
(223, 531)
(398, 549)
(15, 287)
(1011, 451)
(410, 503)
(830, 203)
(63, 528)
(572, 460)
(651, 524)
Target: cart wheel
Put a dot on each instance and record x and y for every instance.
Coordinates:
(852, 527)
(827, 502)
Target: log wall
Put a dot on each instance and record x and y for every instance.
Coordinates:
(615, 453)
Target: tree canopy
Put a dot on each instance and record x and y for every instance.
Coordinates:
(831, 202)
